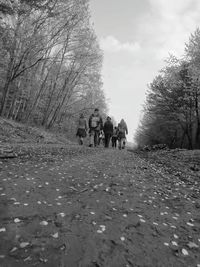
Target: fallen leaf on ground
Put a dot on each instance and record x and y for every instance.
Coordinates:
(16, 220)
(44, 223)
(13, 250)
(192, 245)
(185, 252)
(55, 235)
(24, 244)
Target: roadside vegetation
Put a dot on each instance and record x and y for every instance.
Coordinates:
(171, 113)
(50, 63)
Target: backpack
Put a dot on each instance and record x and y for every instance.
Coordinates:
(121, 129)
(95, 121)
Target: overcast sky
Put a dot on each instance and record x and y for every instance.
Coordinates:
(136, 36)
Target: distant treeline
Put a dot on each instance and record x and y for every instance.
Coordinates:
(172, 110)
(50, 62)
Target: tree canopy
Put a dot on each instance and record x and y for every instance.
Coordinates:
(172, 110)
(50, 62)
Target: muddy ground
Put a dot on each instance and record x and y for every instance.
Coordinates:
(80, 207)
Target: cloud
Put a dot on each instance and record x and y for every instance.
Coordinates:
(170, 8)
(167, 26)
(112, 45)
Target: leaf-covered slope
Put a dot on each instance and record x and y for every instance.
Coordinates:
(13, 132)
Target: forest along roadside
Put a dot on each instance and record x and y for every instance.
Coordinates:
(100, 208)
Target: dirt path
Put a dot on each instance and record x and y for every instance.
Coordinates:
(108, 209)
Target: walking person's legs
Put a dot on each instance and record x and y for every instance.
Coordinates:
(96, 138)
(81, 140)
(109, 137)
(99, 141)
(115, 142)
(103, 141)
(106, 140)
(92, 133)
(123, 143)
(79, 135)
(120, 143)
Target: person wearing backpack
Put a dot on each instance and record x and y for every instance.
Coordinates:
(95, 126)
(122, 131)
(108, 131)
(82, 129)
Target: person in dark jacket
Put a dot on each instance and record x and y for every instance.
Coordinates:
(108, 131)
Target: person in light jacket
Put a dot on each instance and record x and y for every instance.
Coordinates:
(81, 129)
(122, 132)
(95, 126)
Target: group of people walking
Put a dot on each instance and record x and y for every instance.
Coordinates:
(101, 132)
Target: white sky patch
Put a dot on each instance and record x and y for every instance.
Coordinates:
(172, 8)
(136, 37)
(113, 45)
(168, 25)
